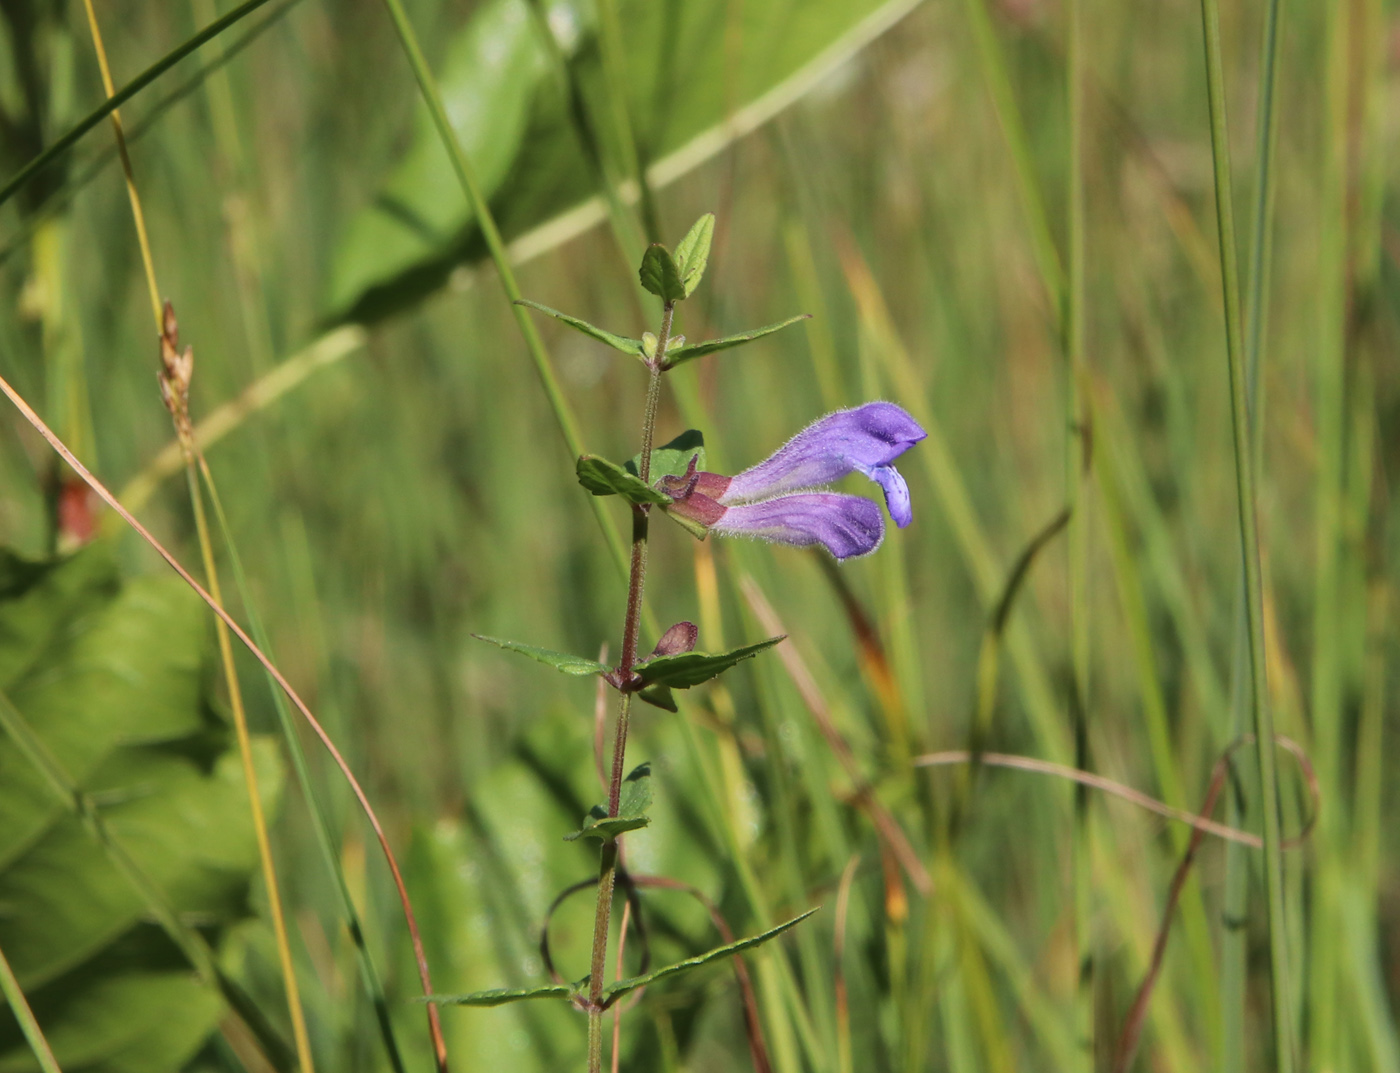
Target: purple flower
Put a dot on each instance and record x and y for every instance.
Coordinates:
(776, 500)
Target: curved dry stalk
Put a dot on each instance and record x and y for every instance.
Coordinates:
(434, 1022)
(1097, 782)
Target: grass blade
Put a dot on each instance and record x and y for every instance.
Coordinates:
(1283, 1032)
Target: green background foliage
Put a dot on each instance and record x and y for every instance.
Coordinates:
(911, 193)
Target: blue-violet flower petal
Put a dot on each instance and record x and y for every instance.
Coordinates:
(847, 441)
(847, 526)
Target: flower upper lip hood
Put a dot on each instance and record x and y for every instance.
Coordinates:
(774, 500)
(860, 440)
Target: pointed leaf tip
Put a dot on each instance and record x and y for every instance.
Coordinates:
(622, 987)
(676, 355)
(688, 669)
(560, 661)
(617, 342)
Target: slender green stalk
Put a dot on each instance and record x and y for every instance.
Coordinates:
(19, 1008)
(466, 176)
(1249, 543)
(373, 984)
(1234, 945)
(1076, 463)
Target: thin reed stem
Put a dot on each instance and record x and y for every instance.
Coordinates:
(240, 720)
(319, 824)
(1249, 543)
(19, 1009)
(466, 176)
(250, 777)
(1076, 464)
(137, 215)
(1234, 951)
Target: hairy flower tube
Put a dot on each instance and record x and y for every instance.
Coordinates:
(781, 499)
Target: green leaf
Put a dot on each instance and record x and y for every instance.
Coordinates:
(691, 668)
(673, 459)
(622, 987)
(499, 996)
(103, 682)
(722, 78)
(491, 76)
(617, 342)
(659, 697)
(560, 661)
(631, 809)
(604, 478)
(709, 346)
(694, 252)
(660, 275)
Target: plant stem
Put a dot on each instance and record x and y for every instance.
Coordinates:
(1249, 543)
(636, 586)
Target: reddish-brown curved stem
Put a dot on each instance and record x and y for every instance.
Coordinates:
(434, 1024)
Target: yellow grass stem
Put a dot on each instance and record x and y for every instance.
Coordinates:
(240, 720)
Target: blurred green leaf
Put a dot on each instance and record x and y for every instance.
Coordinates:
(660, 275)
(709, 346)
(499, 996)
(604, 478)
(489, 76)
(691, 668)
(673, 459)
(560, 661)
(622, 987)
(693, 252)
(618, 342)
(108, 677)
(632, 805)
(726, 69)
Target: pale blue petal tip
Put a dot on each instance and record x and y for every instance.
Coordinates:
(896, 493)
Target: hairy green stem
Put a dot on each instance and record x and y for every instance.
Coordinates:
(1249, 543)
(636, 587)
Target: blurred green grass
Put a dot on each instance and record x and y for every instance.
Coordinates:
(418, 492)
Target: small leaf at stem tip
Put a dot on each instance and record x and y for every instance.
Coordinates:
(617, 342)
(672, 459)
(694, 252)
(499, 996)
(691, 668)
(560, 661)
(674, 356)
(631, 809)
(622, 987)
(604, 478)
(659, 697)
(660, 275)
